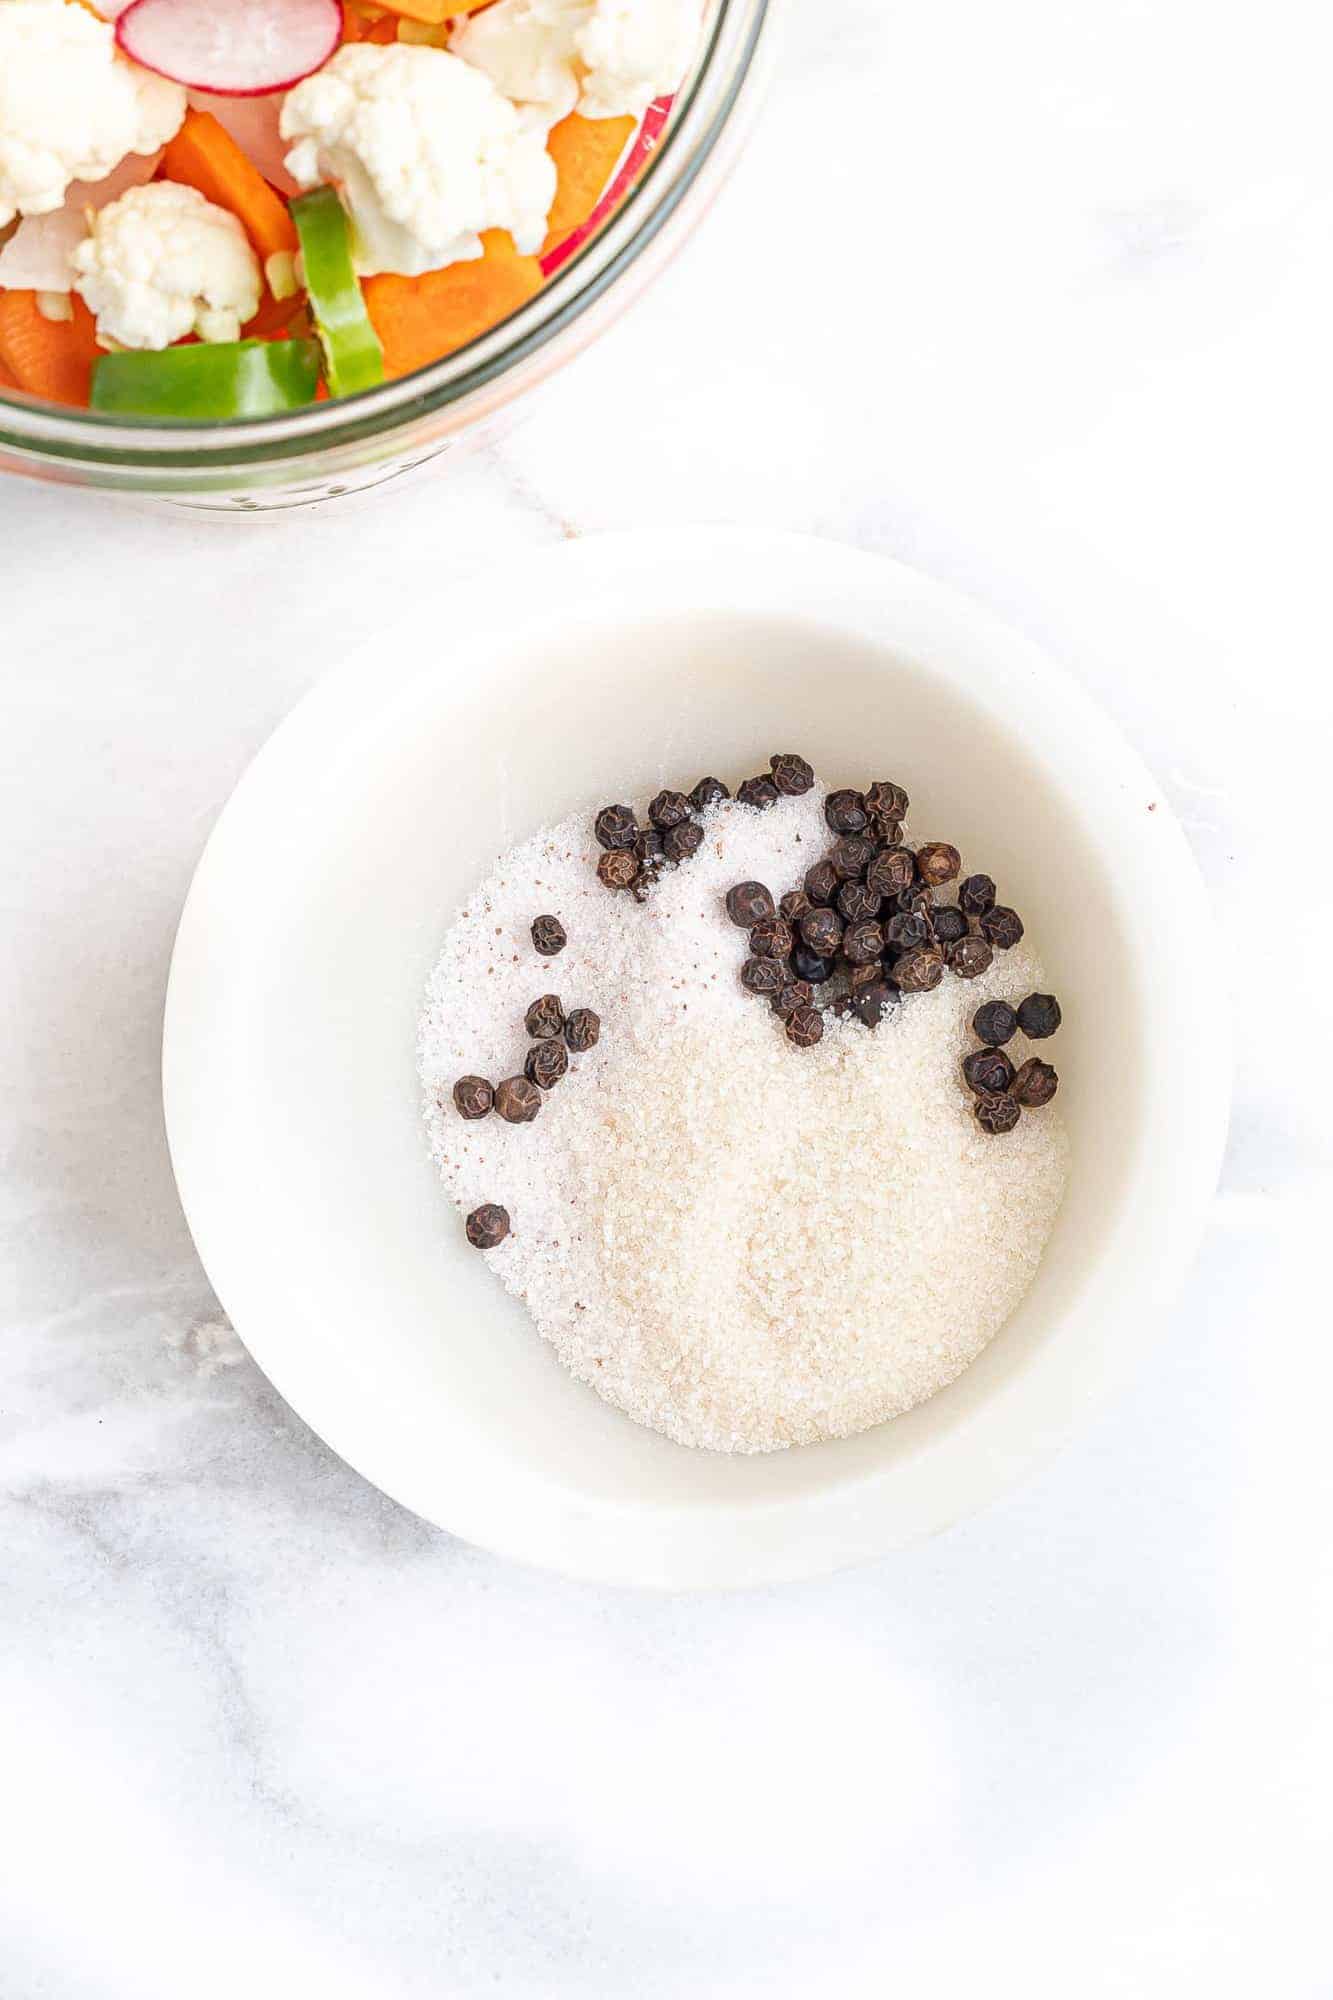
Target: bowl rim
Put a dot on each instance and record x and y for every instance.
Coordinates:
(714, 1544)
(700, 117)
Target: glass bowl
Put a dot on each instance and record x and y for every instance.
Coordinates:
(340, 447)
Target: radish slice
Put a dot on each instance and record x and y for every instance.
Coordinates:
(634, 165)
(238, 48)
(253, 123)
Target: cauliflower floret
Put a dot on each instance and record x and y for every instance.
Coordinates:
(527, 49)
(634, 51)
(37, 256)
(611, 58)
(428, 154)
(71, 106)
(161, 263)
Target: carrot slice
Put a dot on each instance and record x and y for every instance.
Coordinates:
(358, 27)
(7, 381)
(204, 156)
(422, 319)
(585, 151)
(50, 358)
(432, 12)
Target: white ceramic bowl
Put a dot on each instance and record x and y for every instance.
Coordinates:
(600, 670)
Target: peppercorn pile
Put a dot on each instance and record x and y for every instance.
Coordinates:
(634, 856)
(865, 928)
(742, 1246)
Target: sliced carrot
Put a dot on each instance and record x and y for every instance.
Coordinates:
(358, 27)
(203, 156)
(272, 317)
(48, 357)
(7, 381)
(585, 151)
(432, 12)
(422, 319)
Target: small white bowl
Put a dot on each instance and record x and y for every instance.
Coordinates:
(601, 670)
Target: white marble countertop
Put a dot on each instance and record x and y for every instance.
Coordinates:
(1037, 298)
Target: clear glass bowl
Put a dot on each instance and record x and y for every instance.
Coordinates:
(340, 447)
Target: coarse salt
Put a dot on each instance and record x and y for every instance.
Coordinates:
(741, 1244)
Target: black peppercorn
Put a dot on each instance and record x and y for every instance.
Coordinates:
(997, 1114)
(548, 936)
(487, 1226)
(794, 905)
(668, 809)
(976, 895)
(821, 882)
(987, 1071)
(473, 1097)
(892, 871)
(765, 976)
(649, 846)
(821, 931)
(969, 958)
(996, 1023)
(1035, 1084)
(1002, 927)
(873, 1002)
(856, 902)
(919, 970)
(809, 965)
(545, 1063)
(907, 930)
(1039, 1016)
(616, 826)
(859, 976)
(708, 792)
(796, 993)
(886, 800)
(582, 1027)
(845, 812)
(517, 1100)
(618, 869)
(791, 774)
(950, 924)
(760, 792)
(863, 943)
(747, 903)
(771, 937)
(851, 856)
(545, 1016)
(680, 842)
(805, 1027)
(937, 863)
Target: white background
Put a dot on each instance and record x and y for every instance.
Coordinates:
(1038, 298)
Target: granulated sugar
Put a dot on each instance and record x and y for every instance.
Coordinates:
(742, 1244)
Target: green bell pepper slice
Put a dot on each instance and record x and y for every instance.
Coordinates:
(233, 378)
(353, 358)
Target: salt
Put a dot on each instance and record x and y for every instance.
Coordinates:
(742, 1244)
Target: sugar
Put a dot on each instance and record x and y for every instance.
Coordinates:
(741, 1244)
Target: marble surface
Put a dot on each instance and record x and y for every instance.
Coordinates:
(1037, 298)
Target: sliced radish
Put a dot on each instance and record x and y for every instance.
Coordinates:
(253, 123)
(36, 257)
(237, 48)
(631, 169)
